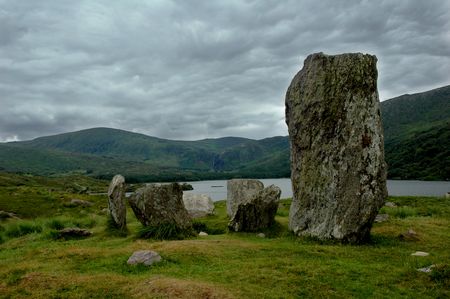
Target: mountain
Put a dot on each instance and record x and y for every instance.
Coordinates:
(417, 135)
(102, 152)
(417, 146)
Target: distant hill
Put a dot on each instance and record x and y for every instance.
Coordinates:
(417, 135)
(417, 144)
(102, 152)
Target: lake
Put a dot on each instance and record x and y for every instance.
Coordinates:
(217, 189)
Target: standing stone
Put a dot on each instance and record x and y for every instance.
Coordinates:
(116, 201)
(240, 190)
(159, 204)
(337, 157)
(257, 212)
(198, 205)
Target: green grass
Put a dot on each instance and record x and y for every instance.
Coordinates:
(228, 265)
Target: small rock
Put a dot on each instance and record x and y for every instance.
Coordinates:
(409, 235)
(73, 232)
(145, 257)
(381, 218)
(201, 234)
(261, 235)
(80, 202)
(426, 269)
(390, 204)
(420, 253)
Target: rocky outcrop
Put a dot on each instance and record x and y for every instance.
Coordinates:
(160, 204)
(256, 212)
(240, 190)
(116, 202)
(198, 205)
(337, 158)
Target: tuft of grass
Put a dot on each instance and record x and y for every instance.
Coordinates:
(441, 274)
(56, 224)
(112, 229)
(403, 212)
(165, 231)
(22, 229)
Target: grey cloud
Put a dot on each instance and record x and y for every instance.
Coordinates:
(197, 69)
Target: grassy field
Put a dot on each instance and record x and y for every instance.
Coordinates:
(224, 265)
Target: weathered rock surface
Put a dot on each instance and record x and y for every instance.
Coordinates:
(116, 201)
(145, 257)
(157, 204)
(202, 234)
(198, 205)
(240, 190)
(257, 212)
(338, 170)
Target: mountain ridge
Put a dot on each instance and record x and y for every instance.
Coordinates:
(416, 126)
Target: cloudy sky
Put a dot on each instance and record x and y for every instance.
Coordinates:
(197, 69)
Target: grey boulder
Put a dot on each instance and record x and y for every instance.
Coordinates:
(157, 204)
(240, 190)
(198, 205)
(257, 212)
(144, 257)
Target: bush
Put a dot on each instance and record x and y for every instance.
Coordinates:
(165, 231)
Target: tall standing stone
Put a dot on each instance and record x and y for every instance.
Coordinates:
(116, 201)
(337, 157)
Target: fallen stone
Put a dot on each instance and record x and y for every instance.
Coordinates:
(338, 170)
(198, 205)
(145, 257)
(157, 204)
(420, 253)
(116, 202)
(80, 202)
(257, 212)
(73, 232)
(409, 235)
(261, 235)
(390, 204)
(381, 218)
(426, 269)
(202, 234)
